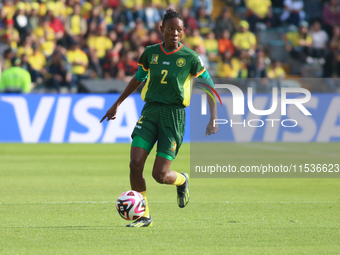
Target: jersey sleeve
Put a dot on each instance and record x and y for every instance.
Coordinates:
(144, 60)
(143, 66)
(197, 66)
(206, 79)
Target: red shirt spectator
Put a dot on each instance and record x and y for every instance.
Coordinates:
(57, 25)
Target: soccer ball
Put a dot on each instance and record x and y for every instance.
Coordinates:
(131, 205)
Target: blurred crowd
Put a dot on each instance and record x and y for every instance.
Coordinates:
(62, 42)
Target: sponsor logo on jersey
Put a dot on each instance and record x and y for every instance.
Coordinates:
(166, 63)
(173, 146)
(154, 59)
(180, 62)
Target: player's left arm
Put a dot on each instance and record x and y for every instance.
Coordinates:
(199, 71)
(211, 127)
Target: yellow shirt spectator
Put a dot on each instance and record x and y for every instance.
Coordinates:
(275, 73)
(259, 7)
(211, 45)
(40, 31)
(193, 41)
(101, 44)
(75, 24)
(130, 4)
(245, 41)
(228, 70)
(47, 48)
(294, 38)
(77, 56)
(24, 50)
(37, 61)
(9, 11)
(60, 9)
(13, 36)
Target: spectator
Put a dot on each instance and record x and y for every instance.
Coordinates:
(298, 43)
(243, 61)
(259, 11)
(108, 19)
(188, 20)
(7, 11)
(335, 42)
(8, 56)
(79, 62)
(133, 10)
(34, 18)
(21, 23)
(194, 39)
(320, 40)
(11, 36)
(152, 39)
(37, 61)
(211, 46)
(127, 67)
(331, 15)
(224, 43)
(245, 40)
(55, 23)
(111, 67)
(140, 31)
(43, 32)
(97, 19)
(227, 66)
(204, 21)
(152, 16)
(224, 22)
(99, 45)
(75, 24)
(26, 47)
(275, 71)
(207, 5)
(293, 13)
(258, 68)
(58, 73)
(15, 79)
(201, 53)
(44, 35)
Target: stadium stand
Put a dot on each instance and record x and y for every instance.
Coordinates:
(62, 43)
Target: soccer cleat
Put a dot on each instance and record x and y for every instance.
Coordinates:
(141, 222)
(183, 192)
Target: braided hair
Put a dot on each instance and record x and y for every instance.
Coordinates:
(169, 14)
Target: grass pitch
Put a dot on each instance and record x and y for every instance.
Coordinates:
(60, 199)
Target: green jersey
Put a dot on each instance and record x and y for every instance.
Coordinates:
(169, 74)
(15, 78)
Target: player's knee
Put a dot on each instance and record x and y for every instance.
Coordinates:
(136, 167)
(159, 176)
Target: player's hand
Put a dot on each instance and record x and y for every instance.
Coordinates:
(211, 129)
(111, 113)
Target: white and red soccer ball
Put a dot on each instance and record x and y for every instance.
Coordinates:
(131, 205)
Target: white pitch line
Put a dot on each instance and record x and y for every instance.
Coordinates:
(170, 202)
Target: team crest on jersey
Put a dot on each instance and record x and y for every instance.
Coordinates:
(173, 146)
(180, 62)
(154, 59)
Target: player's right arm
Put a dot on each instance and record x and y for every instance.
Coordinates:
(135, 82)
(131, 87)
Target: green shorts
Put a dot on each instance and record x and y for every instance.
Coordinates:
(162, 123)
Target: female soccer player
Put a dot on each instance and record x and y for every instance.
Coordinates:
(167, 68)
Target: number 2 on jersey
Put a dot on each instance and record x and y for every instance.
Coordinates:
(165, 73)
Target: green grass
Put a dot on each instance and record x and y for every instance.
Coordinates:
(60, 199)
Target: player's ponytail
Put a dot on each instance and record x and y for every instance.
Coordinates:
(169, 14)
